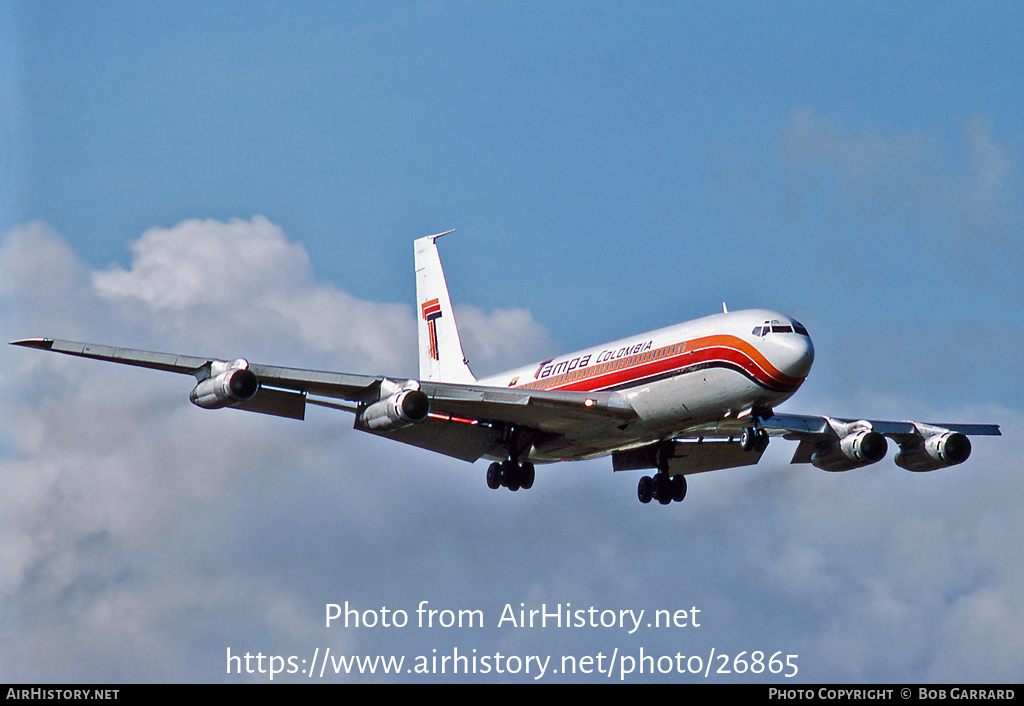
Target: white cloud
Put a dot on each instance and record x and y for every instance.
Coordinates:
(244, 282)
(140, 537)
(103, 464)
(208, 263)
(502, 339)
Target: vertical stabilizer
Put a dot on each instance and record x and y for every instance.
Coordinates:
(441, 356)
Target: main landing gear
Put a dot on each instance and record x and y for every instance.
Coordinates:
(661, 487)
(511, 475)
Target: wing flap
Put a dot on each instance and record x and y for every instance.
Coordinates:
(687, 457)
(279, 403)
(345, 386)
(457, 439)
(547, 411)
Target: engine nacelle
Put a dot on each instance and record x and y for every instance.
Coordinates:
(401, 409)
(937, 451)
(228, 388)
(859, 448)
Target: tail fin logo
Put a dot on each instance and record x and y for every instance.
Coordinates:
(431, 313)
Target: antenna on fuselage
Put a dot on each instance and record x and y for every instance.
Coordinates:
(725, 309)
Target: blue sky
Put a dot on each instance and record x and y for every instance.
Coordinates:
(247, 179)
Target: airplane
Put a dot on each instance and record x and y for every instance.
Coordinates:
(690, 398)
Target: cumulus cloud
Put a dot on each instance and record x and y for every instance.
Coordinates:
(141, 537)
(502, 339)
(104, 463)
(208, 263)
(243, 285)
(214, 282)
(41, 279)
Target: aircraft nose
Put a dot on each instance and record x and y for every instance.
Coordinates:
(797, 355)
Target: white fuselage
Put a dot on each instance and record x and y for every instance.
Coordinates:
(683, 375)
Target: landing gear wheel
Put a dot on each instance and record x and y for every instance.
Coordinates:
(754, 439)
(678, 488)
(526, 476)
(748, 440)
(645, 489)
(663, 488)
(510, 475)
(494, 476)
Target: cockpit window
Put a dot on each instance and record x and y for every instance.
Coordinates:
(778, 327)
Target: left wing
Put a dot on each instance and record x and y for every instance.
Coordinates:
(843, 444)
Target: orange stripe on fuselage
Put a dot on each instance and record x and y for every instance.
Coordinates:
(717, 349)
(750, 351)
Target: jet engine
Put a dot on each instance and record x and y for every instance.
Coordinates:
(396, 411)
(230, 387)
(936, 451)
(858, 448)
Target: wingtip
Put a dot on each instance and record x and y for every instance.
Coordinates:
(41, 343)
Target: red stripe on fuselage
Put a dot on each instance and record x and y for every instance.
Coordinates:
(710, 351)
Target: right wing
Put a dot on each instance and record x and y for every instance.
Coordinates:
(280, 391)
(465, 421)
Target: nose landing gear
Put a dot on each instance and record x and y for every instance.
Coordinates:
(754, 439)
